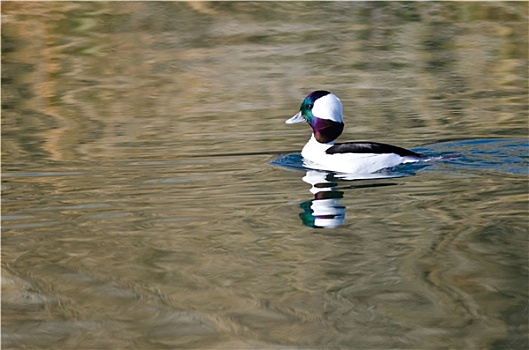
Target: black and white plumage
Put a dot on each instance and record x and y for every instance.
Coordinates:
(323, 111)
(370, 147)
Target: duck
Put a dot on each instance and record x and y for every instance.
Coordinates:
(323, 111)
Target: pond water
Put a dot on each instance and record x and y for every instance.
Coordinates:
(153, 197)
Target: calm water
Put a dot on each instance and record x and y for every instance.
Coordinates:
(152, 196)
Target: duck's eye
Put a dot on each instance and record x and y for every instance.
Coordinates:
(309, 106)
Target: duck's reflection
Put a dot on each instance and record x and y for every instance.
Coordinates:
(325, 210)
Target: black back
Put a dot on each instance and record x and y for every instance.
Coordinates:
(370, 147)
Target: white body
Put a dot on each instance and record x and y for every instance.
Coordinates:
(357, 163)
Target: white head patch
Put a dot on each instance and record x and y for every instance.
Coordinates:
(328, 107)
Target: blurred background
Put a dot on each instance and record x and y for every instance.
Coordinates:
(140, 209)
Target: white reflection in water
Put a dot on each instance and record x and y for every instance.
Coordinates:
(122, 230)
(325, 210)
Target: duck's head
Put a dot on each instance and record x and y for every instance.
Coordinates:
(323, 111)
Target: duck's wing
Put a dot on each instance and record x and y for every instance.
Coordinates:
(370, 147)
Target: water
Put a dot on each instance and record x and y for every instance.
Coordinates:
(152, 196)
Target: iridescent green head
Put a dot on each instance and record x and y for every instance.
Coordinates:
(323, 111)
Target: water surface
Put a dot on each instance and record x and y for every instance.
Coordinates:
(143, 206)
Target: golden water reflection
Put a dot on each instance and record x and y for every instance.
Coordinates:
(97, 78)
(140, 209)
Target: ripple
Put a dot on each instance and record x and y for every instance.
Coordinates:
(508, 156)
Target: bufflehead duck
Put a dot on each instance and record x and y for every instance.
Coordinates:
(323, 111)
